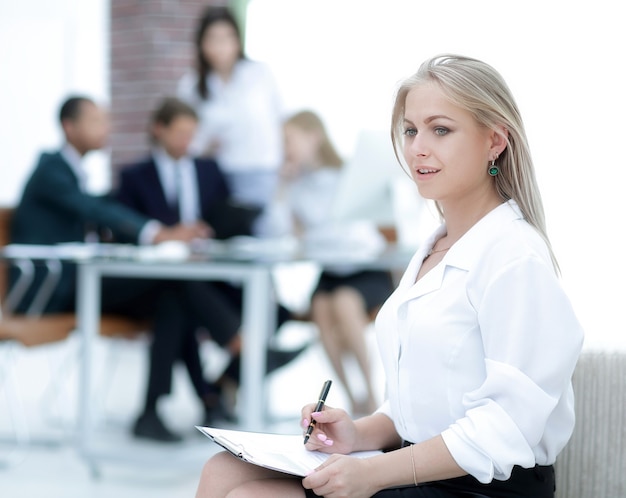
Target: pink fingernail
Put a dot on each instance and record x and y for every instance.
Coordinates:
(305, 423)
(329, 442)
(321, 437)
(316, 414)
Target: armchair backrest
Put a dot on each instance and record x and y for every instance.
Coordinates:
(594, 461)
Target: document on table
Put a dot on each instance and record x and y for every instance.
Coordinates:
(281, 452)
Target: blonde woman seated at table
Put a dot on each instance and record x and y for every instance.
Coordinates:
(479, 341)
(344, 299)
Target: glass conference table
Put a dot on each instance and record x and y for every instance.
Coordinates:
(245, 260)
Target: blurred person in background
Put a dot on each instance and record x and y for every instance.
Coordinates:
(344, 299)
(239, 106)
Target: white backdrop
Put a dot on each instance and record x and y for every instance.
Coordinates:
(50, 48)
(562, 60)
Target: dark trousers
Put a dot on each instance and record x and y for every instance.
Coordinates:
(182, 308)
(163, 304)
(175, 310)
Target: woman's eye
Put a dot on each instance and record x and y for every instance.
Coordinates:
(441, 131)
(410, 132)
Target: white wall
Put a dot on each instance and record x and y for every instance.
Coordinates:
(562, 59)
(50, 48)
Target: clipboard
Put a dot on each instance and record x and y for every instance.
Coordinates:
(280, 452)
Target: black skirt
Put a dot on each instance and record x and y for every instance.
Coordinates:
(537, 482)
(375, 286)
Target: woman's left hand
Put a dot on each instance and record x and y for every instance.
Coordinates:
(342, 476)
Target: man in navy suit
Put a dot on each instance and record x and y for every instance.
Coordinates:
(173, 188)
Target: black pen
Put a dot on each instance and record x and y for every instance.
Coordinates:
(318, 408)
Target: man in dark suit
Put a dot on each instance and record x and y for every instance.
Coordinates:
(173, 188)
(55, 208)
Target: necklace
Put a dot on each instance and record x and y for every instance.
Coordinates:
(431, 252)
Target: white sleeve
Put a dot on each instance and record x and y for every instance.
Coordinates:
(185, 89)
(276, 220)
(149, 232)
(531, 340)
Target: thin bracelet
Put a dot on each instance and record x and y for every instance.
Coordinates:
(413, 465)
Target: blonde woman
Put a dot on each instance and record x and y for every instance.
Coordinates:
(479, 341)
(344, 299)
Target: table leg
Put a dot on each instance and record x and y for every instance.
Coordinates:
(88, 313)
(258, 322)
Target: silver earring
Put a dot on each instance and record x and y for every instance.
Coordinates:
(493, 169)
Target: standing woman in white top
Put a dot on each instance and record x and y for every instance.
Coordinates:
(239, 106)
(479, 341)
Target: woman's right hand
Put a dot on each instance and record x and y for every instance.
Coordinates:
(183, 232)
(334, 432)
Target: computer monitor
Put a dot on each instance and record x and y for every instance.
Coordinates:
(374, 187)
(365, 187)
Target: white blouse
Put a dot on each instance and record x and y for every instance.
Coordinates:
(312, 196)
(244, 115)
(482, 348)
(309, 198)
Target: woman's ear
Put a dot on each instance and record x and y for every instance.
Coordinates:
(499, 140)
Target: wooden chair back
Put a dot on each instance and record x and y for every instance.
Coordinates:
(6, 214)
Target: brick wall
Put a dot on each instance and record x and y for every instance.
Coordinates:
(151, 47)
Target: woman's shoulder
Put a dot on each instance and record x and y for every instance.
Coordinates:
(254, 68)
(252, 65)
(501, 241)
(186, 88)
(515, 243)
(517, 233)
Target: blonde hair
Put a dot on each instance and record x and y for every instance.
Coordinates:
(479, 89)
(310, 122)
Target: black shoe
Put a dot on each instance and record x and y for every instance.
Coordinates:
(217, 415)
(150, 426)
(216, 411)
(279, 358)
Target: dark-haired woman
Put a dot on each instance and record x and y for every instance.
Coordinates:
(239, 107)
